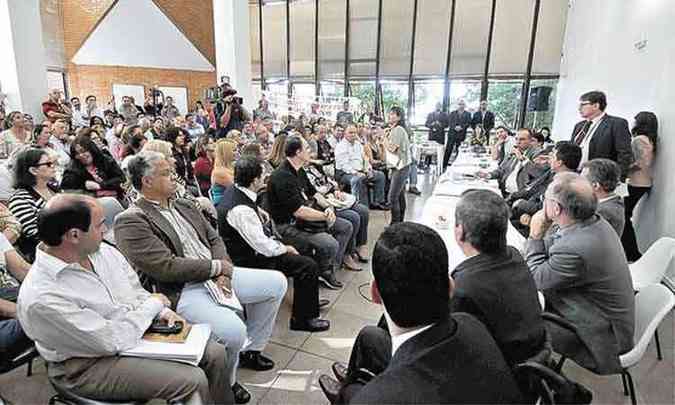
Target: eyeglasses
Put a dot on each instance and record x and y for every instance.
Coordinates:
(48, 164)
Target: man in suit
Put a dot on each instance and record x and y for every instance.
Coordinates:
(604, 177)
(601, 135)
(494, 283)
(248, 233)
(437, 357)
(577, 261)
(524, 203)
(514, 171)
(437, 122)
(459, 121)
(483, 118)
(177, 251)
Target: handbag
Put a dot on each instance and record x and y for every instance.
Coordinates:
(312, 226)
(392, 159)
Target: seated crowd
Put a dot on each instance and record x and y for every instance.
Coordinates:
(231, 203)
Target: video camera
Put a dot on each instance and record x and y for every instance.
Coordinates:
(223, 92)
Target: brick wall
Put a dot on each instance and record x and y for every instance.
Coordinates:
(193, 18)
(98, 80)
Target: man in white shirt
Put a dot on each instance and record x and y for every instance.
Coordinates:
(83, 305)
(194, 128)
(249, 235)
(353, 168)
(91, 110)
(78, 118)
(60, 142)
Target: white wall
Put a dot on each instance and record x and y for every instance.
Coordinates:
(22, 68)
(599, 53)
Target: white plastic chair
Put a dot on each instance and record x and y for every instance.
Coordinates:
(652, 266)
(652, 304)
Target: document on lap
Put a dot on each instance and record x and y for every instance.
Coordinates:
(191, 351)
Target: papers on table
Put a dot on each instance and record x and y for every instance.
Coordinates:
(190, 352)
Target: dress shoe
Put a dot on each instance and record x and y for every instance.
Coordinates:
(330, 387)
(414, 190)
(362, 254)
(329, 281)
(340, 371)
(350, 264)
(310, 325)
(323, 302)
(379, 207)
(255, 360)
(241, 394)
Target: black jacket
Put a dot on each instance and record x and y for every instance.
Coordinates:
(437, 122)
(531, 195)
(611, 140)
(500, 292)
(488, 123)
(75, 176)
(456, 361)
(463, 120)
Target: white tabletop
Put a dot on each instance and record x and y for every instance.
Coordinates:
(461, 176)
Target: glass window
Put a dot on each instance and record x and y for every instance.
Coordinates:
(470, 37)
(256, 91)
(51, 16)
(302, 38)
(467, 90)
(427, 94)
(504, 101)
(550, 35)
(395, 49)
(332, 89)
(431, 37)
(365, 92)
(254, 26)
(394, 94)
(274, 38)
(511, 37)
(332, 23)
(277, 96)
(541, 109)
(362, 37)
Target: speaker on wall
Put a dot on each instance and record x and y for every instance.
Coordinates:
(539, 98)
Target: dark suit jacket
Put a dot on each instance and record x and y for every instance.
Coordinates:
(611, 140)
(455, 361)
(531, 195)
(499, 291)
(510, 163)
(583, 273)
(488, 123)
(613, 210)
(463, 120)
(155, 249)
(437, 122)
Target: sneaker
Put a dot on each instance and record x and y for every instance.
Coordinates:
(414, 190)
(329, 281)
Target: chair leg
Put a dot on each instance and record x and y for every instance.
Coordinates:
(631, 387)
(625, 387)
(658, 345)
(559, 366)
(29, 371)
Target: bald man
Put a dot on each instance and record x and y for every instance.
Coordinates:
(83, 305)
(577, 261)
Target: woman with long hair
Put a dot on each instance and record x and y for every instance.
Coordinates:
(278, 154)
(178, 137)
(91, 171)
(397, 145)
(15, 132)
(640, 177)
(205, 149)
(223, 169)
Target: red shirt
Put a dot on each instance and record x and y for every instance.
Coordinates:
(202, 170)
(48, 106)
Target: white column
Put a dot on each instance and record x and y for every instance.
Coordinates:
(23, 71)
(233, 50)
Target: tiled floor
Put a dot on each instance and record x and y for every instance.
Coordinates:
(302, 357)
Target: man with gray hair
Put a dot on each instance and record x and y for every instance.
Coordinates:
(604, 177)
(577, 261)
(178, 252)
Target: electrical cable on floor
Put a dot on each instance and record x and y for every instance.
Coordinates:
(364, 296)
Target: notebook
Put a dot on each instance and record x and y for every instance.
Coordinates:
(190, 352)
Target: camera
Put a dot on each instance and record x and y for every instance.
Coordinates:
(221, 93)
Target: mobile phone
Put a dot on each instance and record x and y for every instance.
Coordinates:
(163, 328)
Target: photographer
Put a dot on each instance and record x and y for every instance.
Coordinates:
(233, 114)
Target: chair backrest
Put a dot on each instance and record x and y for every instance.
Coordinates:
(652, 266)
(111, 207)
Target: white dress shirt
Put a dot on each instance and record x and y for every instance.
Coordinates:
(349, 156)
(72, 312)
(250, 227)
(62, 149)
(595, 122)
(511, 183)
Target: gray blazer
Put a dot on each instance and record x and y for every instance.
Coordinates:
(154, 248)
(613, 211)
(509, 164)
(583, 273)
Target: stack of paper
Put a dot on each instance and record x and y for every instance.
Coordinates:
(190, 352)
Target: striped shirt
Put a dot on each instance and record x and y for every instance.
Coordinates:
(25, 205)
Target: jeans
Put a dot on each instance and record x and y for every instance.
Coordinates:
(327, 249)
(13, 340)
(358, 217)
(628, 239)
(397, 194)
(412, 176)
(378, 190)
(359, 186)
(259, 291)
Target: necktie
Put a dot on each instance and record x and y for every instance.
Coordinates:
(581, 135)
